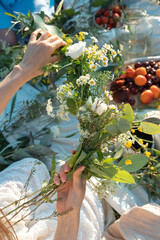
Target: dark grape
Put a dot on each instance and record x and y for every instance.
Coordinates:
(148, 69)
(145, 64)
(138, 64)
(149, 83)
(156, 79)
(152, 63)
(149, 76)
(156, 66)
(128, 80)
(134, 90)
(131, 101)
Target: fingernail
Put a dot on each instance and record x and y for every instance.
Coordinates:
(66, 168)
(82, 168)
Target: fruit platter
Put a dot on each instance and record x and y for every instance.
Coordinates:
(139, 83)
(108, 18)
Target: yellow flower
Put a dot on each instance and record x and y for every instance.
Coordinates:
(48, 81)
(69, 41)
(44, 81)
(140, 128)
(128, 162)
(128, 144)
(158, 106)
(148, 154)
(141, 141)
(95, 46)
(152, 168)
(34, 80)
(133, 131)
(80, 38)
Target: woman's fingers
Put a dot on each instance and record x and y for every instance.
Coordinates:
(77, 179)
(62, 174)
(56, 179)
(45, 35)
(58, 43)
(52, 38)
(34, 35)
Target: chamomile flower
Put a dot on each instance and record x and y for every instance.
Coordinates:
(119, 52)
(114, 53)
(93, 67)
(108, 95)
(94, 39)
(92, 82)
(105, 64)
(85, 33)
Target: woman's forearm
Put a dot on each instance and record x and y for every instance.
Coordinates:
(67, 227)
(10, 85)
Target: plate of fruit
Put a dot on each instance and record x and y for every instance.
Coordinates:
(108, 18)
(139, 84)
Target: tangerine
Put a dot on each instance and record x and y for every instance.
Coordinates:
(140, 80)
(130, 72)
(146, 96)
(158, 73)
(156, 91)
(140, 71)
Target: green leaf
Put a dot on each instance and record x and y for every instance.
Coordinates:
(100, 155)
(108, 160)
(105, 173)
(118, 153)
(74, 157)
(112, 129)
(39, 23)
(53, 165)
(123, 125)
(59, 8)
(123, 176)
(72, 106)
(128, 113)
(98, 3)
(11, 15)
(81, 157)
(158, 165)
(150, 128)
(157, 152)
(12, 106)
(138, 161)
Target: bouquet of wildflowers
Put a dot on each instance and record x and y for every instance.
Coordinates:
(105, 128)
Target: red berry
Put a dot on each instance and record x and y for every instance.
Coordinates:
(111, 20)
(116, 8)
(98, 20)
(116, 16)
(107, 13)
(109, 26)
(104, 20)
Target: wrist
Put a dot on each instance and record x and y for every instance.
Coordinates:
(27, 72)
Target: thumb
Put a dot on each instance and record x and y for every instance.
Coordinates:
(77, 179)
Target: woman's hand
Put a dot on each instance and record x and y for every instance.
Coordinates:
(69, 200)
(39, 52)
(71, 194)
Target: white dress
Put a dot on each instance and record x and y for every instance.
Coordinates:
(12, 181)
